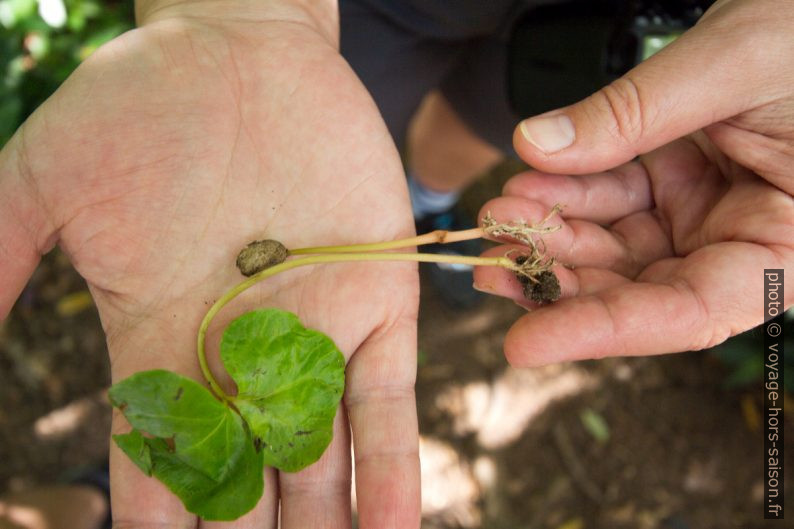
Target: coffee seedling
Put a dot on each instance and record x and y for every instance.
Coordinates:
(209, 448)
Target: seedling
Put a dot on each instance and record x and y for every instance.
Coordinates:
(209, 448)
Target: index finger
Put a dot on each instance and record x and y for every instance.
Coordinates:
(600, 197)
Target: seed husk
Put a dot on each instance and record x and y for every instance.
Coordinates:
(259, 255)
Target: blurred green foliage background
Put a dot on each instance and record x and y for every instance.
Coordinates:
(43, 41)
(744, 355)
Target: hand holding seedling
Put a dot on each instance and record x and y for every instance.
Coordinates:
(162, 156)
(669, 251)
(180, 142)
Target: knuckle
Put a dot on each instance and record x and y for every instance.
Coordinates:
(623, 100)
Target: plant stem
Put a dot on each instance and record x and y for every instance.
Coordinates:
(437, 236)
(232, 293)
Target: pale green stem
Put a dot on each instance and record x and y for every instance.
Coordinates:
(505, 262)
(437, 236)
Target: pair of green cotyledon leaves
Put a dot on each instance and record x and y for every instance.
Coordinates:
(289, 383)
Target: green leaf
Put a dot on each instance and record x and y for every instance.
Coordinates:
(207, 434)
(746, 372)
(14, 11)
(201, 449)
(212, 500)
(289, 379)
(595, 424)
(134, 445)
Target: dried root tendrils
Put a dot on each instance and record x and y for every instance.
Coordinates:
(532, 261)
(521, 230)
(533, 267)
(531, 264)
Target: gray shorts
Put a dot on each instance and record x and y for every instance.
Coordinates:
(402, 49)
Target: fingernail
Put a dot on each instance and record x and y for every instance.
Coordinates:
(549, 133)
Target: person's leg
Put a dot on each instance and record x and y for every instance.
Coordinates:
(444, 157)
(396, 61)
(460, 131)
(463, 128)
(444, 154)
(401, 50)
(466, 127)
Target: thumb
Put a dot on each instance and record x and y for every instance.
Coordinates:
(25, 232)
(722, 67)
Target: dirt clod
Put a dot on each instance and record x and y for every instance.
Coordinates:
(544, 289)
(540, 285)
(259, 255)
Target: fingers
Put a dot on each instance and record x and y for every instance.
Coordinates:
(573, 282)
(382, 410)
(138, 500)
(634, 319)
(681, 304)
(602, 197)
(144, 502)
(319, 496)
(621, 196)
(263, 516)
(715, 71)
(624, 248)
(25, 232)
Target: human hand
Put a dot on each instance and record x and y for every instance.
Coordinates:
(164, 154)
(668, 251)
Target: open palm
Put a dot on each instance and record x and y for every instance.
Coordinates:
(162, 156)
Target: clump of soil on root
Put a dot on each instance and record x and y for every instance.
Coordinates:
(542, 287)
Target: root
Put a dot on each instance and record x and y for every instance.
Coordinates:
(521, 230)
(533, 266)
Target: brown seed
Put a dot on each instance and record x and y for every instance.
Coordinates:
(259, 255)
